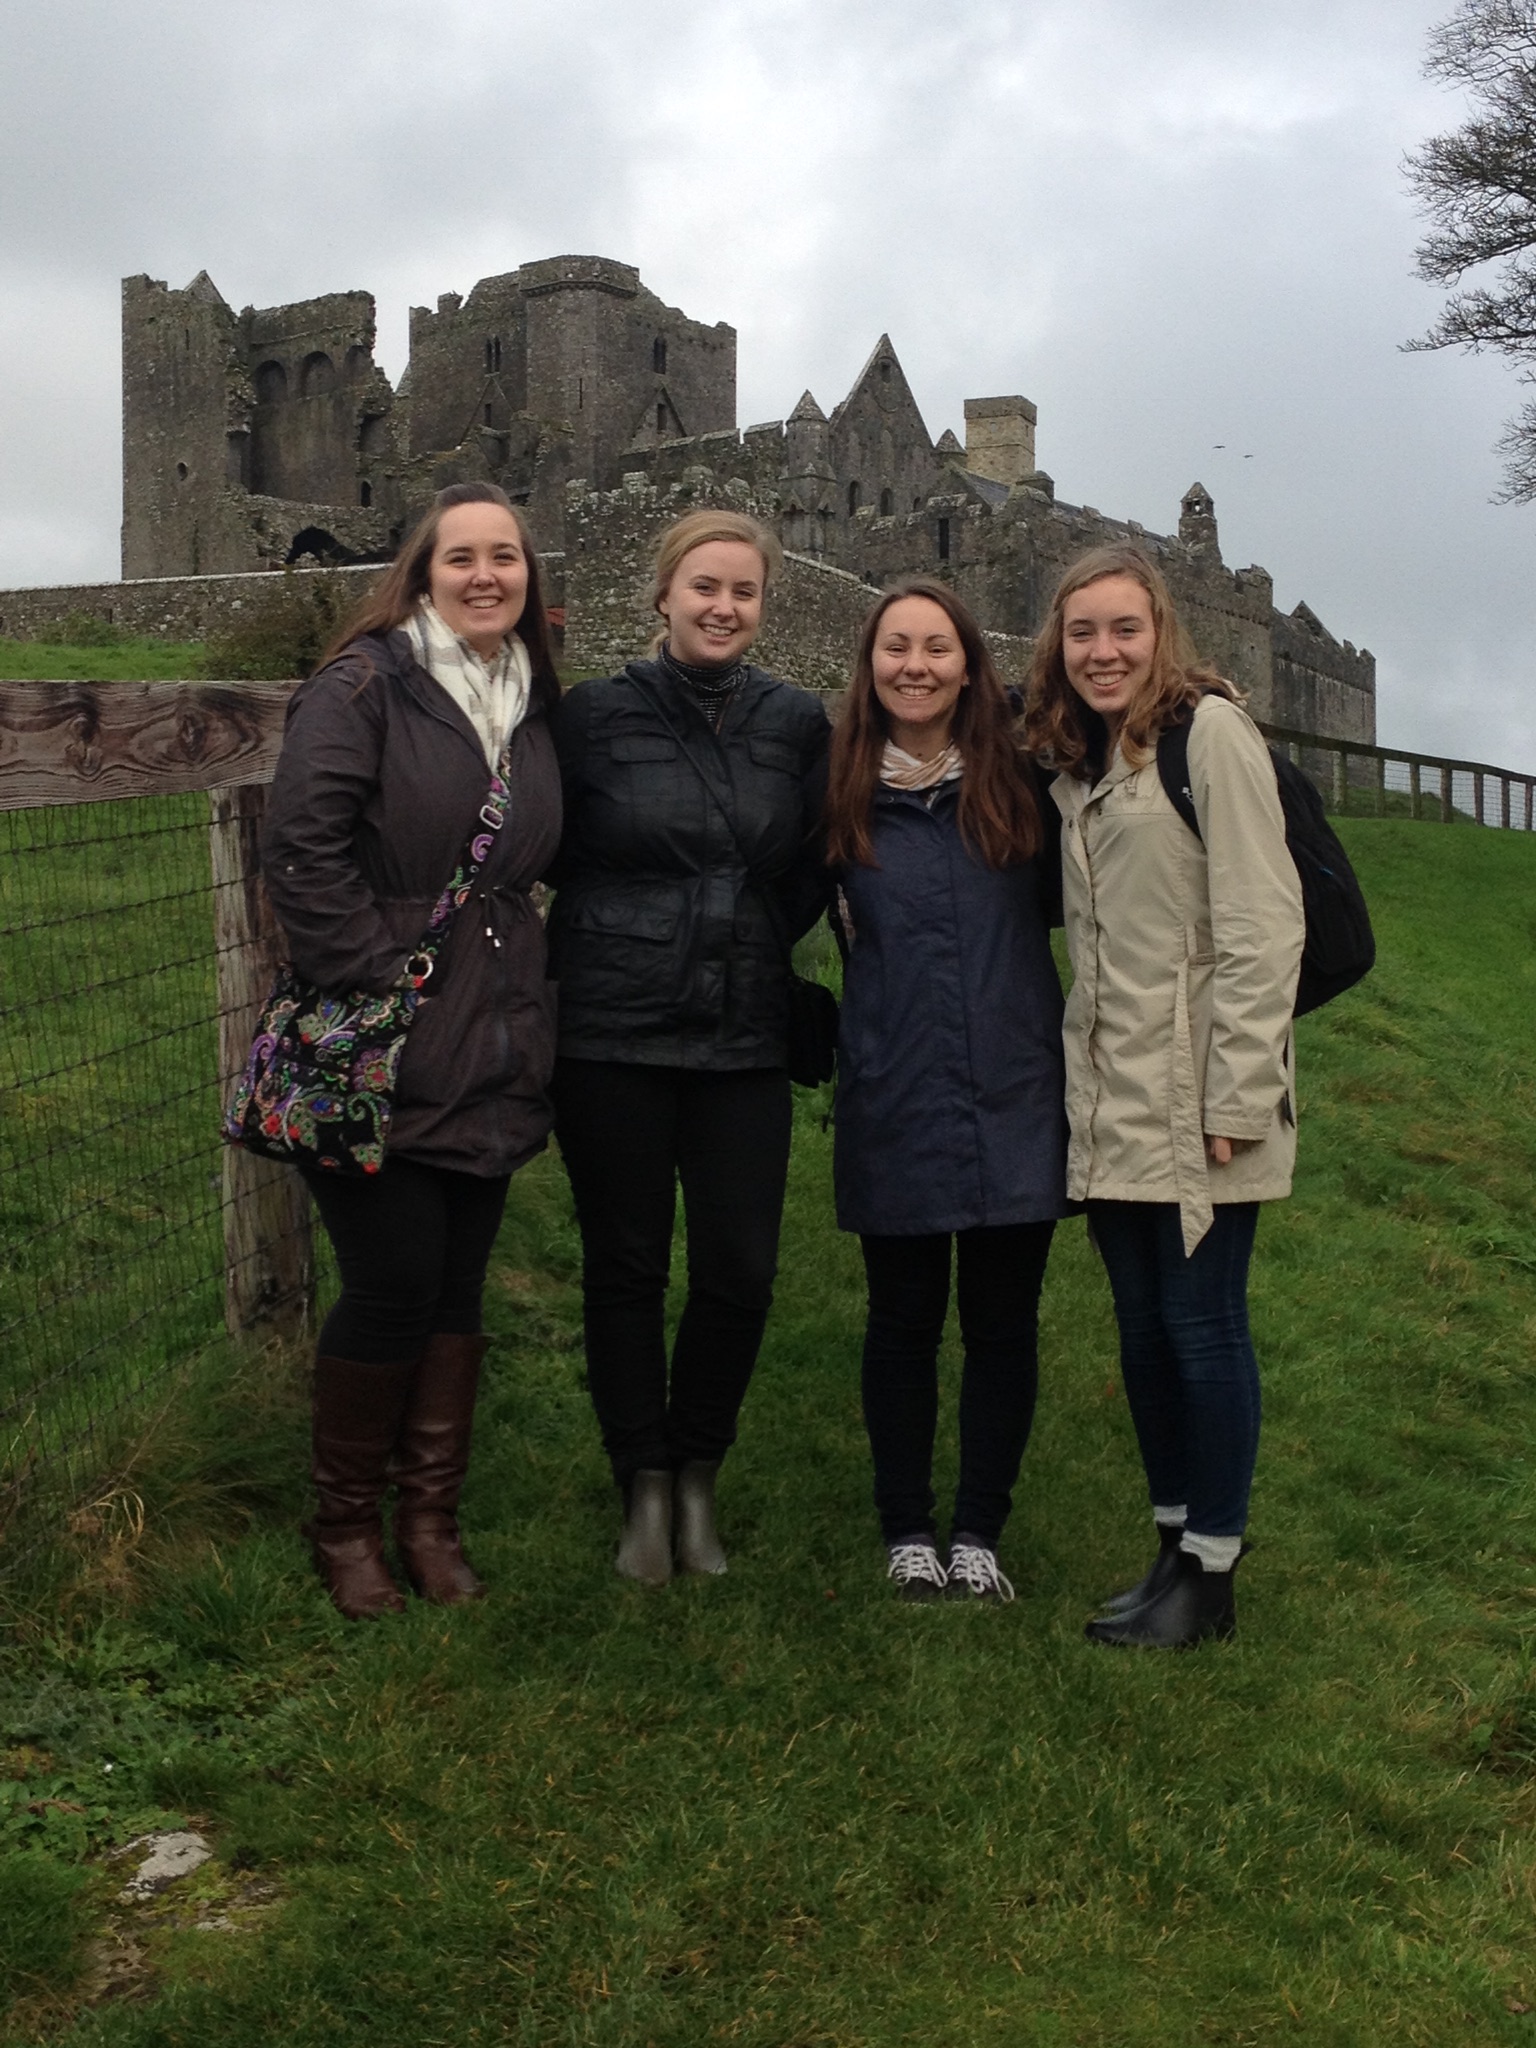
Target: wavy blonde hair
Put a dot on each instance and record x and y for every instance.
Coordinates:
(1069, 734)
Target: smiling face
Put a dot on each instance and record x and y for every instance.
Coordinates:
(714, 604)
(919, 672)
(478, 578)
(1108, 640)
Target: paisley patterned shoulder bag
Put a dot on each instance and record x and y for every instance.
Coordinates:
(318, 1089)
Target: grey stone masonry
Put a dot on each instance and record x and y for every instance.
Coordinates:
(271, 437)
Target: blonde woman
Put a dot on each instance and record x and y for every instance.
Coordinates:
(693, 786)
(1180, 1092)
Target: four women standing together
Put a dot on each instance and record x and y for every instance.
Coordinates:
(702, 835)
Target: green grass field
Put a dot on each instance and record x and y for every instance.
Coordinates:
(117, 661)
(778, 1809)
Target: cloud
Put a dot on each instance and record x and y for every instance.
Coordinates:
(1172, 223)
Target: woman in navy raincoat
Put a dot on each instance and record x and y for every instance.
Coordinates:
(951, 1126)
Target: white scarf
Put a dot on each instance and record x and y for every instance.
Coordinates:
(901, 770)
(493, 695)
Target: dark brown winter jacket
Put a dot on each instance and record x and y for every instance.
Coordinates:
(376, 789)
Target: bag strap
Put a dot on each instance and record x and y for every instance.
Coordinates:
(476, 850)
(1173, 772)
(755, 874)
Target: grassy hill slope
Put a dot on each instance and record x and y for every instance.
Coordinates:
(779, 1810)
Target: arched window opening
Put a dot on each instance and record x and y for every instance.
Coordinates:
(365, 493)
(917, 502)
(885, 370)
(493, 352)
(181, 472)
(271, 383)
(318, 375)
(488, 414)
(887, 504)
(661, 417)
(659, 356)
(943, 540)
(853, 499)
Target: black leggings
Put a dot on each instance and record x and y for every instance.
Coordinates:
(1000, 1272)
(412, 1243)
(629, 1135)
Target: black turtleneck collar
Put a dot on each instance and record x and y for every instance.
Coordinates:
(711, 687)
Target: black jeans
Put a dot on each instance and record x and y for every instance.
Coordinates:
(629, 1135)
(999, 1275)
(412, 1244)
(1191, 1378)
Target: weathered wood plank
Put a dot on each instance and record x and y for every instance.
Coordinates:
(269, 1273)
(71, 743)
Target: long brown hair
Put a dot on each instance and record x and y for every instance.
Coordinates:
(1069, 734)
(998, 817)
(408, 579)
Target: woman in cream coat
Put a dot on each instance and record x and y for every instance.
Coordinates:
(1180, 1094)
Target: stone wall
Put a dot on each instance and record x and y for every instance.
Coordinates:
(814, 612)
(183, 607)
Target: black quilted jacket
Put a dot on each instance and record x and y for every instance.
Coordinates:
(661, 941)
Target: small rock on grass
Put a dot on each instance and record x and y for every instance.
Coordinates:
(169, 1857)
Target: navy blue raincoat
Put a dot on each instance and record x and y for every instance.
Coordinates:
(951, 1087)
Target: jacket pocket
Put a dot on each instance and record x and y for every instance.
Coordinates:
(768, 752)
(626, 917)
(642, 746)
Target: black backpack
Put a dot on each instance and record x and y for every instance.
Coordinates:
(1340, 947)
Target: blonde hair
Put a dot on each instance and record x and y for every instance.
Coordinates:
(696, 530)
(1070, 734)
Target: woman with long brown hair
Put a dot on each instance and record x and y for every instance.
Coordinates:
(951, 1138)
(1180, 1072)
(442, 681)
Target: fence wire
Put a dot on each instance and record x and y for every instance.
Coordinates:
(113, 1182)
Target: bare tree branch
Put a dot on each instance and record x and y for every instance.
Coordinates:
(1477, 189)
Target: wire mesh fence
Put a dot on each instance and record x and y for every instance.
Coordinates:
(127, 961)
(135, 944)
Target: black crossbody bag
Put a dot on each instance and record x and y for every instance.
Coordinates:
(810, 1014)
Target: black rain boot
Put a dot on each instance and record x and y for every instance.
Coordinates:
(645, 1548)
(1164, 1567)
(1195, 1604)
(696, 1543)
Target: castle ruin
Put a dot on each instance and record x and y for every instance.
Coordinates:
(266, 438)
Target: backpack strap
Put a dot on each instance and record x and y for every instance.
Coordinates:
(1173, 770)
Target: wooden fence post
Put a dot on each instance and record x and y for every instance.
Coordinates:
(1447, 794)
(1341, 780)
(1413, 788)
(1477, 796)
(269, 1274)
(1381, 785)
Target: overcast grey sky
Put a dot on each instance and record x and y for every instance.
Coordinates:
(1171, 223)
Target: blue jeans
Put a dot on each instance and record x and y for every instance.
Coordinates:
(1191, 1378)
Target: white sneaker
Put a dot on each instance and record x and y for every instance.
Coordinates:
(973, 1574)
(916, 1569)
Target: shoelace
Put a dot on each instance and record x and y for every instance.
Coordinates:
(916, 1561)
(970, 1565)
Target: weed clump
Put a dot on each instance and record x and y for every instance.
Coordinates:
(281, 633)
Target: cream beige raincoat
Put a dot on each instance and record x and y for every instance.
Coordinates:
(1184, 961)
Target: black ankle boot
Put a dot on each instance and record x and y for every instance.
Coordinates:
(1164, 1567)
(1193, 1605)
(645, 1548)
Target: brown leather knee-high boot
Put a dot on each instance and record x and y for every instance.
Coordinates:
(430, 1461)
(357, 1411)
